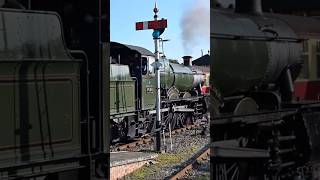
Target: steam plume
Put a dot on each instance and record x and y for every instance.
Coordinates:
(195, 24)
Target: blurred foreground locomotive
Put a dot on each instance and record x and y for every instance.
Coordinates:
(133, 92)
(259, 130)
(53, 125)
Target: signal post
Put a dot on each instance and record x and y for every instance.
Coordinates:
(158, 27)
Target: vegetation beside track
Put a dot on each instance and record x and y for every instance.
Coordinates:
(185, 145)
(163, 161)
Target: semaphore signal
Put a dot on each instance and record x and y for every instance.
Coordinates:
(158, 27)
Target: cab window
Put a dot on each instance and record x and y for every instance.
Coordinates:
(144, 65)
(151, 69)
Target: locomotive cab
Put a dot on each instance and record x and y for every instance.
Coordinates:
(164, 68)
(139, 62)
(149, 60)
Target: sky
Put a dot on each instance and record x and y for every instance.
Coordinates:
(188, 25)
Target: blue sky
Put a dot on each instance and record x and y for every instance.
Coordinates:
(124, 14)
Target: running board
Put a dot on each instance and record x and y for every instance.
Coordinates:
(162, 110)
(182, 109)
(230, 149)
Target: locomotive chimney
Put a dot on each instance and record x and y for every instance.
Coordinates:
(249, 7)
(187, 60)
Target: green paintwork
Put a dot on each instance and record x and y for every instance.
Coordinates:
(235, 70)
(31, 35)
(171, 75)
(122, 90)
(40, 90)
(176, 75)
(149, 92)
(166, 74)
(183, 76)
(37, 99)
(122, 86)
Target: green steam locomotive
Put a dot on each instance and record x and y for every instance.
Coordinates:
(133, 92)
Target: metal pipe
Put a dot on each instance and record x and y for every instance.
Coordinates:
(286, 86)
(170, 136)
(158, 95)
(164, 137)
(29, 4)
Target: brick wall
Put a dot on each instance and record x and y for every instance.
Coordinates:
(119, 172)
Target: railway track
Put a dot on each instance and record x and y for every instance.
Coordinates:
(150, 139)
(189, 165)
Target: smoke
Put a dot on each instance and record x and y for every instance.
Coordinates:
(195, 25)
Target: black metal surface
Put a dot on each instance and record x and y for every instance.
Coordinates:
(305, 27)
(141, 50)
(219, 151)
(249, 7)
(286, 86)
(281, 35)
(24, 44)
(287, 6)
(283, 6)
(240, 40)
(312, 126)
(279, 140)
(124, 49)
(86, 28)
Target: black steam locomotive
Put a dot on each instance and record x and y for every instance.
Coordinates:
(259, 131)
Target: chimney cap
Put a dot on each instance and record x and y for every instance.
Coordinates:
(188, 57)
(187, 60)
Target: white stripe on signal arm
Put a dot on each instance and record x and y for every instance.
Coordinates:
(145, 25)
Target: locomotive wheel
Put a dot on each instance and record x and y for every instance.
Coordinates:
(232, 171)
(246, 106)
(169, 118)
(224, 170)
(115, 136)
(123, 131)
(131, 132)
(189, 119)
(181, 120)
(186, 95)
(119, 131)
(259, 136)
(150, 124)
(173, 121)
(235, 170)
(173, 93)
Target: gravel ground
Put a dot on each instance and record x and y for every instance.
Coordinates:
(184, 145)
(200, 171)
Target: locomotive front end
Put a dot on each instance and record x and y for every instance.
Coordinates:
(260, 131)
